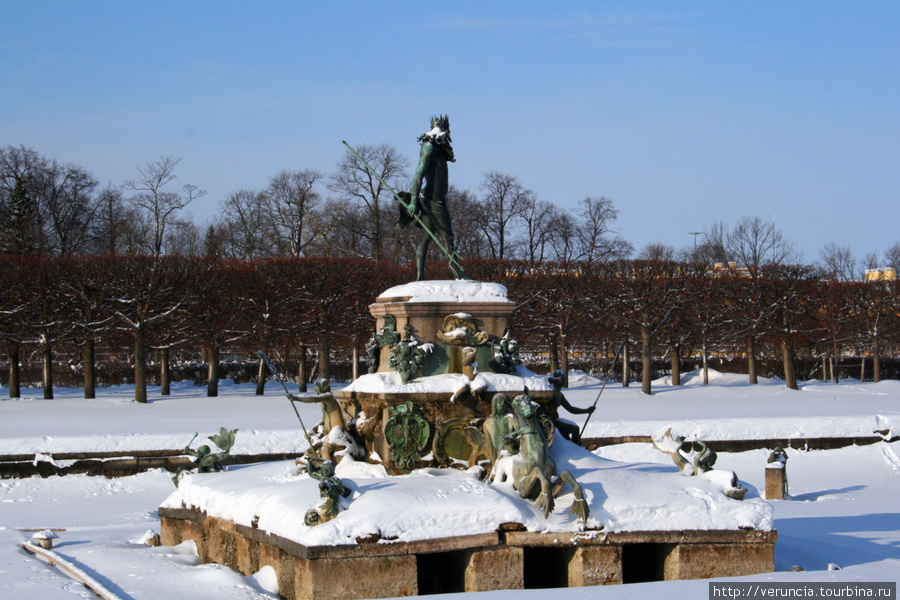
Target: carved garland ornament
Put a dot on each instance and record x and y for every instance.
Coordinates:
(387, 336)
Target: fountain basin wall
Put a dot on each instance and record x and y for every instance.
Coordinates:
(504, 559)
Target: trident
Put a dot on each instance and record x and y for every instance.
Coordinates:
(453, 259)
(280, 379)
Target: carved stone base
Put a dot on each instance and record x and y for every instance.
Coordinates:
(491, 561)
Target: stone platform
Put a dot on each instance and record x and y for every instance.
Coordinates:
(447, 530)
(504, 559)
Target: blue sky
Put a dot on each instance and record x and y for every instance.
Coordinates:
(684, 113)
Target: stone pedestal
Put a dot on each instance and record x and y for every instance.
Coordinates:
(449, 319)
(776, 481)
(427, 321)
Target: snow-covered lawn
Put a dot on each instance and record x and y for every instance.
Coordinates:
(842, 510)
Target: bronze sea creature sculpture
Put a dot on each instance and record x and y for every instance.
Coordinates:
(533, 470)
(206, 460)
(330, 489)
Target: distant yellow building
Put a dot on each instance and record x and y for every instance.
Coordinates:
(730, 268)
(885, 274)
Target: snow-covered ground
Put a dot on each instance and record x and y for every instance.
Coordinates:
(842, 510)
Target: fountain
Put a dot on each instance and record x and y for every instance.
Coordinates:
(381, 516)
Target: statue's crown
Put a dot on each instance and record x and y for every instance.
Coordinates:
(442, 122)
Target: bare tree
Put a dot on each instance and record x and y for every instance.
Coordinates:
(115, 224)
(504, 200)
(291, 197)
(892, 257)
(712, 249)
(564, 238)
(755, 242)
(183, 238)
(648, 293)
(66, 193)
(341, 230)
(462, 205)
(147, 290)
(871, 262)
(538, 217)
(790, 290)
(245, 224)
(156, 202)
(838, 263)
(597, 239)
(657, 251)
(356, 186)
(21, 219)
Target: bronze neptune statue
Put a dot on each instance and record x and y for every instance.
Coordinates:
(426, 202)
(428, 196)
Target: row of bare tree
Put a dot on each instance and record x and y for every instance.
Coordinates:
(51, 209)
(135, 305)
(47, 208)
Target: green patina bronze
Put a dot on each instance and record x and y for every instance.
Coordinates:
(703, 461)
(206, 460)
(426, 202)
(330, 489)
(406, 432)
(428, 196)
(386, 337)
(407, 357)
(533, 470)
(506, 354)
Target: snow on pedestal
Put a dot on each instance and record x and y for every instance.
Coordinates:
(435, 503)
(445, 291)
(448, 383)
(441, 530)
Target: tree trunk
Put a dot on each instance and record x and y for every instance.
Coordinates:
(787, 359)
(261, 378)
(626, 366)
(835, 366)
(554, 355)
(751, 359)
(140, 366)
(87, 361)
(705, 363)
(564, 357)
(862, 368)
(165, 375)
(824, 368)
(325, 357)
(12, 354)
(646, 359)
(212, 376)
(676, 365)
(355, 358)
(876, 360)
(47, 372)
(302, 375)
